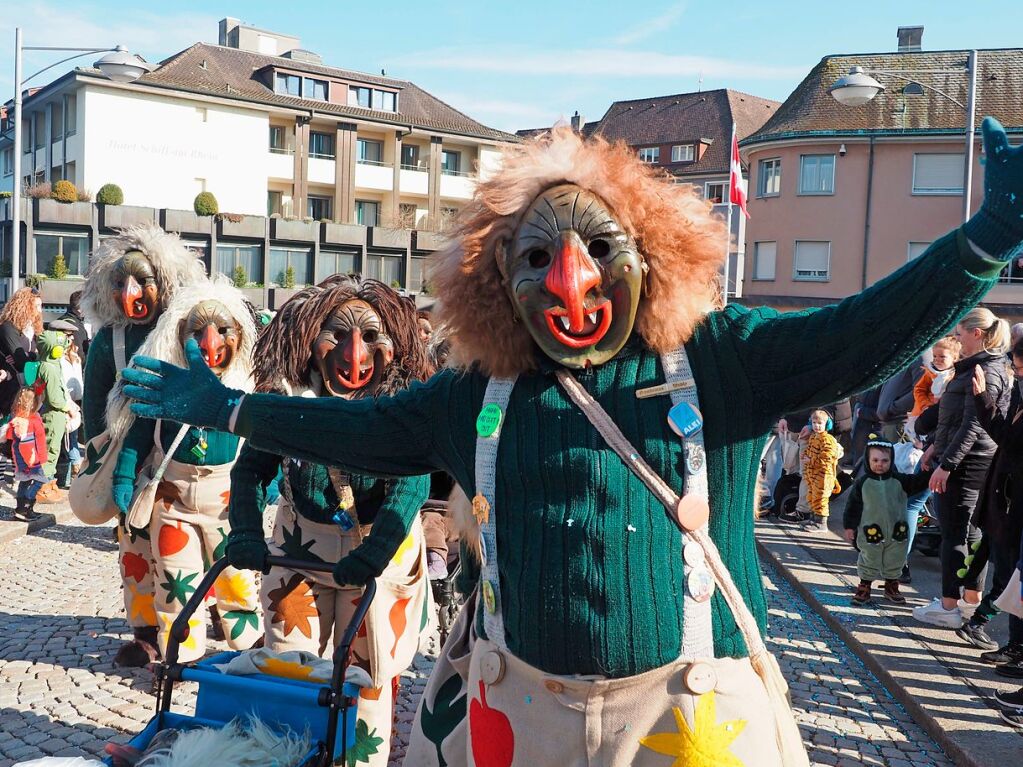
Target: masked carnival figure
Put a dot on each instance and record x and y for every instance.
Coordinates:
(131, 279)
(608, 425)
(186, 510)
(355, 340)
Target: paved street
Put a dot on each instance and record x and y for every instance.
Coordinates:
(61, 621)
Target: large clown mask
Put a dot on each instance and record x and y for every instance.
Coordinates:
(352, 350)
(135, 288)
(574, 276)
(216, 332)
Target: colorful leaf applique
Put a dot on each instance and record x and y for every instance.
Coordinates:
(448, 712)
(242, 619)
(292, 545)
(232, 588)
(179, 587)
(168, 494)
(221, 548)
(366, 744)
(142, 606)
(293, 604)
(491, 734)
(225, 498)
(172, 539)
(705, 744)
(134, 566)
(93, 456)
(398, 621)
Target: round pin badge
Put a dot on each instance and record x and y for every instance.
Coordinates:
(692, 511)
(693, 554)
(695, 458)
(489, 598)
(489, 420)
(701, 584)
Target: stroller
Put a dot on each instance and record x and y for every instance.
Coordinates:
(445, 594)
(277, 701)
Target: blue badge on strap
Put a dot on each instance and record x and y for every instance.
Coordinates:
(685, 420)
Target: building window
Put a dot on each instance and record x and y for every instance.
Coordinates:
(8, 161)
(385, 268)
(651, 154)
(299, 260)
(201, 250)
(450, 162)
(369, 152)
(915, 249)
(288, 85)
(769, 178)
(715, 191)
(74, 247)
(281, 140)
(410, 156)
(279, 204)
(314, 89)
(335, 262)
(320, 207)
(367, 212)
(359, 96)
(321, 145)
(765, 255)
(70, 115)
(682, 153)
(56, 120)
(811, 261)
(383, 100)
(417, 274)
(407, 215)
(817, 174)
(1013, 272)
(39, 120)
(232, 255)
(938, 174)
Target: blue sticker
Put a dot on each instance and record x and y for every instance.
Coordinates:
(685, 420)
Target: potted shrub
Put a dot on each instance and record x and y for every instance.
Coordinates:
(58, 271)
(110, 194)
(64, 191)
(206, 204)
(239, 278)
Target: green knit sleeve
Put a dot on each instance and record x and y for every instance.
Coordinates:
(401, 505)
(250, 477)
(99, 378)
(138, 444)
(816, 357)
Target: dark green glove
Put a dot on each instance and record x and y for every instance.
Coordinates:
(997, 228)
(247, 550)
(192, 395)
(359, 567)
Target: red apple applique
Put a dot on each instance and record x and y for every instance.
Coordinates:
(493, 742)
(172, 539)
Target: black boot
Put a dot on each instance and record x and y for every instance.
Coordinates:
(24, 510)
(140, 651)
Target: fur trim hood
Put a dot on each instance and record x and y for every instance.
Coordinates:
(163, 343)
(174, 264)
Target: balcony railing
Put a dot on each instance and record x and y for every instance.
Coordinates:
(378, 163)
(282, 150)
(322, 155)
(407, 166)
(463, 173)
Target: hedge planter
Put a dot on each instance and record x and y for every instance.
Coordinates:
(384, 237)
(428, 240)
(185, 222)
(62, 213)
(59, 291)
(120, 216)
(343, 234)
(296, 231)
(251, 227)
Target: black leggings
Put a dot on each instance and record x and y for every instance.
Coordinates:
(955, 508)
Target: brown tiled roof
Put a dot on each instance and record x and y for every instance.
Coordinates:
(811, 110)
(688, 117)
(236, 74)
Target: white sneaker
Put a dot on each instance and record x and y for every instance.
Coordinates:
(967, 609)
(936, 615)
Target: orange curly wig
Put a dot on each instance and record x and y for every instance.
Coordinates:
(21, 310)
(672, 225)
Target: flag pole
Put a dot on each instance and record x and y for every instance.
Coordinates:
(728, 219)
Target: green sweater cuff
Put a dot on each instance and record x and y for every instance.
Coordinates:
(985, 267)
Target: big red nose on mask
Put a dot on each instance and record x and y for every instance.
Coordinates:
(213, 347)
(572, 275)
(131, 300)
(353, 353)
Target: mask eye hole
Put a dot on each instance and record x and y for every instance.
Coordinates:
(370, 336)
(598, 248)
(538, 259)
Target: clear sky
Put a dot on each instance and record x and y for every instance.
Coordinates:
(530, 63)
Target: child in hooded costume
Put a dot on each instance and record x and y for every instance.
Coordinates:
(57, 406)
(580, 289)
(188, 521)
(353, 339)
(875, 520)
(820, 469)
(132, 278)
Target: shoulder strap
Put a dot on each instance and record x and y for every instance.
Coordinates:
(120, 358)
(498, 393)
(169, 455)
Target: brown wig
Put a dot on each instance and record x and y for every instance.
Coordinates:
(674, 228)
(21, 310)
(284, 349)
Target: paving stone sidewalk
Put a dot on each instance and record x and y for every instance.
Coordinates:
(61, 621)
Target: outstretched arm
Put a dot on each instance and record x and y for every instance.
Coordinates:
(818, 356)
(251, 475)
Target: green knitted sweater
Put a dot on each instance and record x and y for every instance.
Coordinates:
(603, 595)
(101, 373)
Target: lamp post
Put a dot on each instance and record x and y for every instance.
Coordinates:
(859, 87)
(118, 65)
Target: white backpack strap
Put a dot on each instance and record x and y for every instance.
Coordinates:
(697, 626)
(498, 394)
(120, 358)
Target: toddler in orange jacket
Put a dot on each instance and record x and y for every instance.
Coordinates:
(930, 386)
(26, 432)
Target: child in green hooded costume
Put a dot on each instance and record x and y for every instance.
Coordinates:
(57, 403)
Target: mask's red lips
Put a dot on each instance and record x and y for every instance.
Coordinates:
(354, 379)
(596, 322)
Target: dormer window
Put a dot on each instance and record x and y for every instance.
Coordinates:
(314, 89)
(651, 154)
(372, 98)
(682, 153)
(310, 88)
(288, 85)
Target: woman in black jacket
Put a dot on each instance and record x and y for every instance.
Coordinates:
(963, 452)
(1000, 514)
(24, 312)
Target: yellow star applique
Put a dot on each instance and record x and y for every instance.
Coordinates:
(406, 546)
(142, 606)
(233, 589)
(284, 668)
(167, 619)
(703, 745)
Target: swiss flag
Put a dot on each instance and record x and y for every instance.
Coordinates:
(737, 192)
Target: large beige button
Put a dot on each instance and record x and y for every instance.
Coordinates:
(692, 512)
(492, 668)
(554, 686)
(699, 678)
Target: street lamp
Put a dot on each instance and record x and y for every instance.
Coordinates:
(118, 65)
(859, 87)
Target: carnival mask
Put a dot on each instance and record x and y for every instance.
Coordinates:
(135, 289)
(216, 332)
(574, 277)
(352, 350)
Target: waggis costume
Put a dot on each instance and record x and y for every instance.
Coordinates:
(354, 338)
(575, 258)
(821, 470)
(131, 279)
(188, 522)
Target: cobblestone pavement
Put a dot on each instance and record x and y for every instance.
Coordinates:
(61, 621)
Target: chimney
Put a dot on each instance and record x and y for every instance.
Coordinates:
(910, 39)
(227, 26)
(577, 122)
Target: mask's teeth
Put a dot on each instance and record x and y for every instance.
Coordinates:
(564, 322)
(592, 317)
